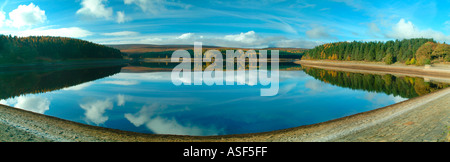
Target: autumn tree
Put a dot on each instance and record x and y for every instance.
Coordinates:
(423, 54)
(441, 51)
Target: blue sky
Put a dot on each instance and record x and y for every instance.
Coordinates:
(250, 23)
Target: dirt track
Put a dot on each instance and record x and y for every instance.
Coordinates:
(425, 118)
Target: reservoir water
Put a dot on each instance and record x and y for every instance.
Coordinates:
(141, 98)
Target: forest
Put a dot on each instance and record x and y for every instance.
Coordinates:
(417, 51)
(37, 49)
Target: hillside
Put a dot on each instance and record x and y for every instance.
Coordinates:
(142, 51)
(21, 50)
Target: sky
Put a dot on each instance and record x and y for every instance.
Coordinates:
(230, 23)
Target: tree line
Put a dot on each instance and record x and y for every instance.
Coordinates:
(48, 49)
(286, 54)
(418, 51)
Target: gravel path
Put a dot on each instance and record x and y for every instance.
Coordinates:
(429, 122)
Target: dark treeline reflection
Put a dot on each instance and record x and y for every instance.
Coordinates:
(406, 87)
(18, 83)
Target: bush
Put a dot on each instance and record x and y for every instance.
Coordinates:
(411, 62)
(423, 61)
(427, 61)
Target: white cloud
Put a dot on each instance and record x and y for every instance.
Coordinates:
(153, 6)
(352, 3)
(318, 32)
(249, 37)
(156, 6)
(186, 36)
(121, 34)
(406, 29)
(302, 5)
(2, 18)
(121, 17)
(292, 43)
(73, 32)
(96, 109)
(374, 28)
(95, 8)
(26, 16)
(447, 25)
(32, 103)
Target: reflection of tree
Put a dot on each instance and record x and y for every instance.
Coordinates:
(406, 87)
(19, 83)
(422, 87)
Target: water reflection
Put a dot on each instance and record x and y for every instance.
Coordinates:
(152, 117)
(16, 83)
(404, 86)
(34, 103)
(142, 100)
(95, 110)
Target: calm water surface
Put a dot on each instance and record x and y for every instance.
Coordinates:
(148, 102)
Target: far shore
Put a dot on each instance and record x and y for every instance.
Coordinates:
(421, 119)
(194, 60)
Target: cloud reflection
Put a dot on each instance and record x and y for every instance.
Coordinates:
(379, 100)
(79, 87)
(121, 82)
(95, 110)
(150, 116)
(37, 104)
(120, 100)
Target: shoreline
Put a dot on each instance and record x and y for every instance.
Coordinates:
(424, 118)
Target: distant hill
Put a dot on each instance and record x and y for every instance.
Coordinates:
(143, 48)
(37, 49)
(147, 51)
